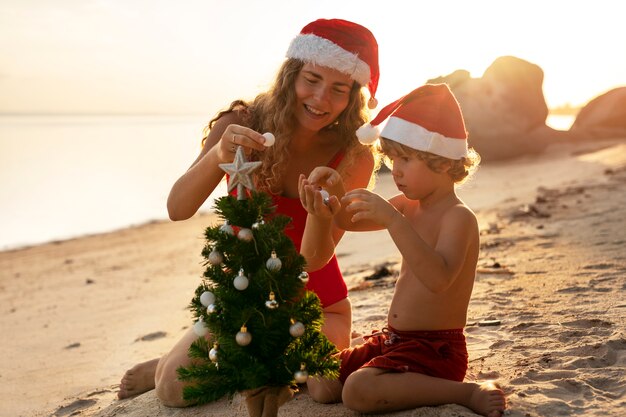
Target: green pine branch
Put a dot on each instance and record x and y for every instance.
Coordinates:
(273, 355)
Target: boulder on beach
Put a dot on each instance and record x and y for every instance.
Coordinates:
(505, 111)
(604, 117)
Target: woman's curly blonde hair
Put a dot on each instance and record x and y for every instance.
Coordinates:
(460, 170)
(273, 111)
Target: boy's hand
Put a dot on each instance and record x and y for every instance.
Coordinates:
(324, 177)
(313, 201)
(367, 205)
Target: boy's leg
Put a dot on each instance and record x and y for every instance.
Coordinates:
(377, 390)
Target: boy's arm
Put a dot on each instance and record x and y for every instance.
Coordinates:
(436, 267)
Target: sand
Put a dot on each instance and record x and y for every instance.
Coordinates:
(76, 314)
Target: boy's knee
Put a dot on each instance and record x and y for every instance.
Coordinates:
(359, 393)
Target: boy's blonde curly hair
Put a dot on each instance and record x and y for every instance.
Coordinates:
(460, 170)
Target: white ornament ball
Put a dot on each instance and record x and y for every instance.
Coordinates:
(301, 376)
(211, 308)
(325, 196)
(207, 298)
(304, 276)
(269, 139)
(296, 329)
(243, 337)
(274, 263)
(227, 228)
(213, 353)
(200, 329)
(271, 304)
(241, 281)
(215, 257)
(245, 234)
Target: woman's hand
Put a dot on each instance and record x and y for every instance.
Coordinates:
(313, 201)
(236, 135)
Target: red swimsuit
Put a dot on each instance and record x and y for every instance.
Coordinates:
(326, 282)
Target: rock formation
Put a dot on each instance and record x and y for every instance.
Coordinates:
(604, 117)
(505, 110)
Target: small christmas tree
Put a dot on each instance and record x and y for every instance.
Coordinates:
(265, 329)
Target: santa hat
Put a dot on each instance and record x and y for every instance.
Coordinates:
(342, 45)
(427, 119)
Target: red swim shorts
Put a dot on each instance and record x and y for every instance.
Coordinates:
(438, 353)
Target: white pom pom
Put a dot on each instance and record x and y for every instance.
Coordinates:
(367, 134)
(269, 139)
(372, 103)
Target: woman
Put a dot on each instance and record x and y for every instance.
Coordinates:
(313, 110)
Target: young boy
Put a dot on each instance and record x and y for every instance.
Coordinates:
(420, 358)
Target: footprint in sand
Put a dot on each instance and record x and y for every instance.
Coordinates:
(588, 323)
(597, 355)
(601, 265)
(73, 408)
(151, 336)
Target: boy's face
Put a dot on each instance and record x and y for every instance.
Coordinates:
(414, 178)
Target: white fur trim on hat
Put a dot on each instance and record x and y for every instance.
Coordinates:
(416, 137)
(320, 51)
(367, 134)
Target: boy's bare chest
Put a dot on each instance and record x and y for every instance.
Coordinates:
(427, 225)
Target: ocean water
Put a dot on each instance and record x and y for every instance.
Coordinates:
(62, 177)
(68, 176)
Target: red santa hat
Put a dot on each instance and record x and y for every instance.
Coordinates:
(427, 119)
(342, 45)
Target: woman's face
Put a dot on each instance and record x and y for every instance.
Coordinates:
(322, 93)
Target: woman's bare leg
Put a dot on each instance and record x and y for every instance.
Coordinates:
(160, 374)
(138, 379)
(338, 323)
(141, 377)
(338, 328)
(168, 388)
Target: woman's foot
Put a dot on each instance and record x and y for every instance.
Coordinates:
(138, 379)
(488, 400)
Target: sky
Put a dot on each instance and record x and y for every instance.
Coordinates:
(196, 56)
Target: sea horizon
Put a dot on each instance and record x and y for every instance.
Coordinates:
(65, 176)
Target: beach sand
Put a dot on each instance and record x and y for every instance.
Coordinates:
(546, 318)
